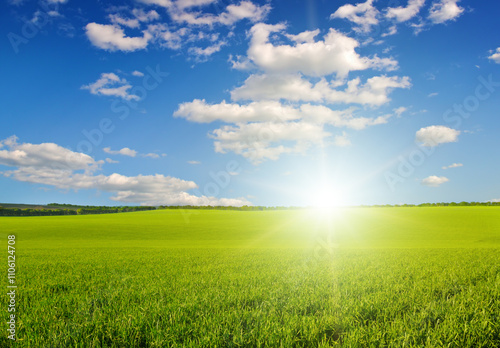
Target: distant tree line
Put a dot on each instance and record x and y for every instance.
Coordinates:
(89, 209)
(220, 207)
(442, 204)
(110, 210)
(35, 212)
(81, 211)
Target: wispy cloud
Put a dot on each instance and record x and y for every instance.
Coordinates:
(131, 153)
(109, 84)
(454, 165)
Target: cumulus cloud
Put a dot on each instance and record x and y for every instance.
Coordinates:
(201, 112)
(112, 38)
(109, 84)
(263, 140)
(295, 88)
(435, 135)
(335, 54)
(454, 165)
(495, 56)
(45, 156)
(445, 10)
(284, 107)
(362, 14)
(52, 165)
(434, 181)
(190, 22)
(403, 14)
(125, 152)
(339, 118)
(272, 111)
(267, 129)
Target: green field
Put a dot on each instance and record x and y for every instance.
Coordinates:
(356, 277)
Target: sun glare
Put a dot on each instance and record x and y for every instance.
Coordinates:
(326, 198)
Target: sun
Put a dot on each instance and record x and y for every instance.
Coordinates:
(326, 197)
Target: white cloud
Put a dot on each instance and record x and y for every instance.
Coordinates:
(321, 114)
(194, 162)
(418, 27)
(295, 88)
(399, 111)
(445, 10)
(304, 37)
(272, 111)
(435, 135)
(131, 153)
(143, 16)
(207, 51)
(137, 73)
(260, 141)
(342, 140)
(127, 22)
(391, 31)
(362, 14)
(151, 154)
(173, 39)
(434, 181)
(281, 108)
(45, 156)
(113, 38)
(402, 14)
(52, 165)
(454, 165)
(334, 55)
(109, 84)
(434, 94)
(240, 63)
(125, 152)
(495, 200)
(244, 10)
(267, 129)
(280, 86)
(201, 112)
(495, 56)
(180, 12)
(109, 160)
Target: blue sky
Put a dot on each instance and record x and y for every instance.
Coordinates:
(249, 102)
